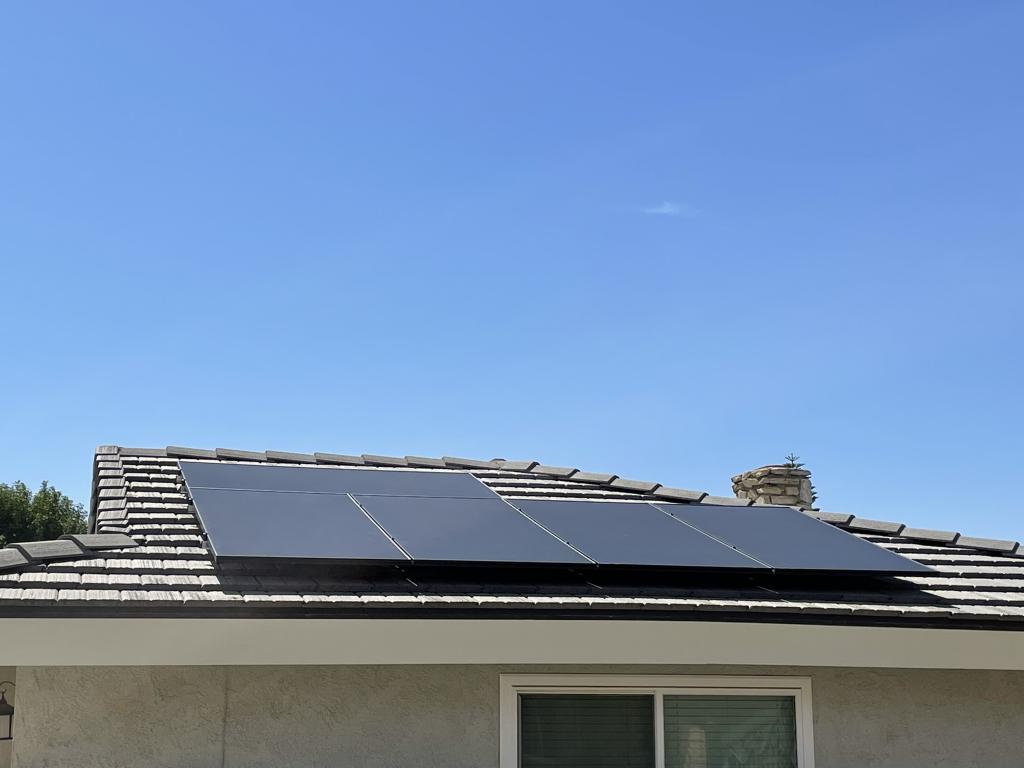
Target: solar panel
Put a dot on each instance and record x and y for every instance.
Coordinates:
(261, 511)
(786, 539)
(259, 477)
(290, 525)
(466, 530)
(624, 533)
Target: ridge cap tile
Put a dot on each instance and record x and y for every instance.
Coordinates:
(237, 454)
(180, 452)
(679, 494)
(424, 462)
(561, 472)
(338, 458)
(641, 486)
(102, 540)
(12, 558)
(875, 526)
(835, 518)
(131, 452)
(517, 466)
(378, 460)
(997, 545)
(927, 534)
(594, 478)
(727, 501)
(454, 461)
(49, 549)
(290, 457)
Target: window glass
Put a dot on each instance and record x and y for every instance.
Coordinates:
(586, 731)
(730, 732)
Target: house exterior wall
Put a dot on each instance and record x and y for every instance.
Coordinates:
(426, 716)
(7, 673)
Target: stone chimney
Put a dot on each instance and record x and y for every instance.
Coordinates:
(776, 484)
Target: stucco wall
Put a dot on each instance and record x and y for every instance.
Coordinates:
(7, 673)
(447, 716)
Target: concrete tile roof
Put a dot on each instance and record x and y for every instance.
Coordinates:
(145, 555)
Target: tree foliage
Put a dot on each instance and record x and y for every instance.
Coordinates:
(45, 514)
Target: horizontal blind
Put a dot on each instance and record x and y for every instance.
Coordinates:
(586, 731)
(730, 732)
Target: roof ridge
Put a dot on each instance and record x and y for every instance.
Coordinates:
(641, 487)
(415, 462)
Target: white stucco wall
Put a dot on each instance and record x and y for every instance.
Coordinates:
(425, 716)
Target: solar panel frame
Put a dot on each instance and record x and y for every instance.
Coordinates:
(609, 531)
(788, 540)
(341, 480)
(467, 531)
(264, 525)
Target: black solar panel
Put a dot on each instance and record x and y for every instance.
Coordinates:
(624, 533)
(290, 525)
(257, 477)
(260, 511)
(786, 539)
(466, 530)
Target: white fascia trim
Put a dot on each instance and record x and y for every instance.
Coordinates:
(30, 642)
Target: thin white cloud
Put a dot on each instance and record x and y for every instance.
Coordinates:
(669, 208)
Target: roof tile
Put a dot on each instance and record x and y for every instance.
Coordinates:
(39, 594)
(101, 540)
(57, 549)
(154, 453)
(453, 461)
(679, 494)
(995, 545)
(424, 461)
(875, 526)
(726, 501)
(12, 558)
(640, 486)
(235, 454)
(288, 457)
(384, 461)
(923, 534)
(178, 452)
(836, 518)
(517, 466)
(562, 472)
(597, 478)
(338, 458)
(112, 515)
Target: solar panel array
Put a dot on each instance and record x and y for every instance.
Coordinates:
(627, 533)
(379, 515)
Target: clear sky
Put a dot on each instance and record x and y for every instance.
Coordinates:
(671, 241)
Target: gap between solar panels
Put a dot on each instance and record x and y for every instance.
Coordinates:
(374, 516)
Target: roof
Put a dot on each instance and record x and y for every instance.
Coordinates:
(162, 568)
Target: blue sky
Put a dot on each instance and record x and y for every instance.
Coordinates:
(671, 241)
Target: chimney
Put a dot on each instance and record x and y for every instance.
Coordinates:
(788, 484)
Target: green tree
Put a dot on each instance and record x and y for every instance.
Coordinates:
(45, 514)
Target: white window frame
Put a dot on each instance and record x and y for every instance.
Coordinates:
(658, 686)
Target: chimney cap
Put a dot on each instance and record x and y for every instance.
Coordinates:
(776, 484)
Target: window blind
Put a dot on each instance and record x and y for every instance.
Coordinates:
(730, 732)
(586, 731)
